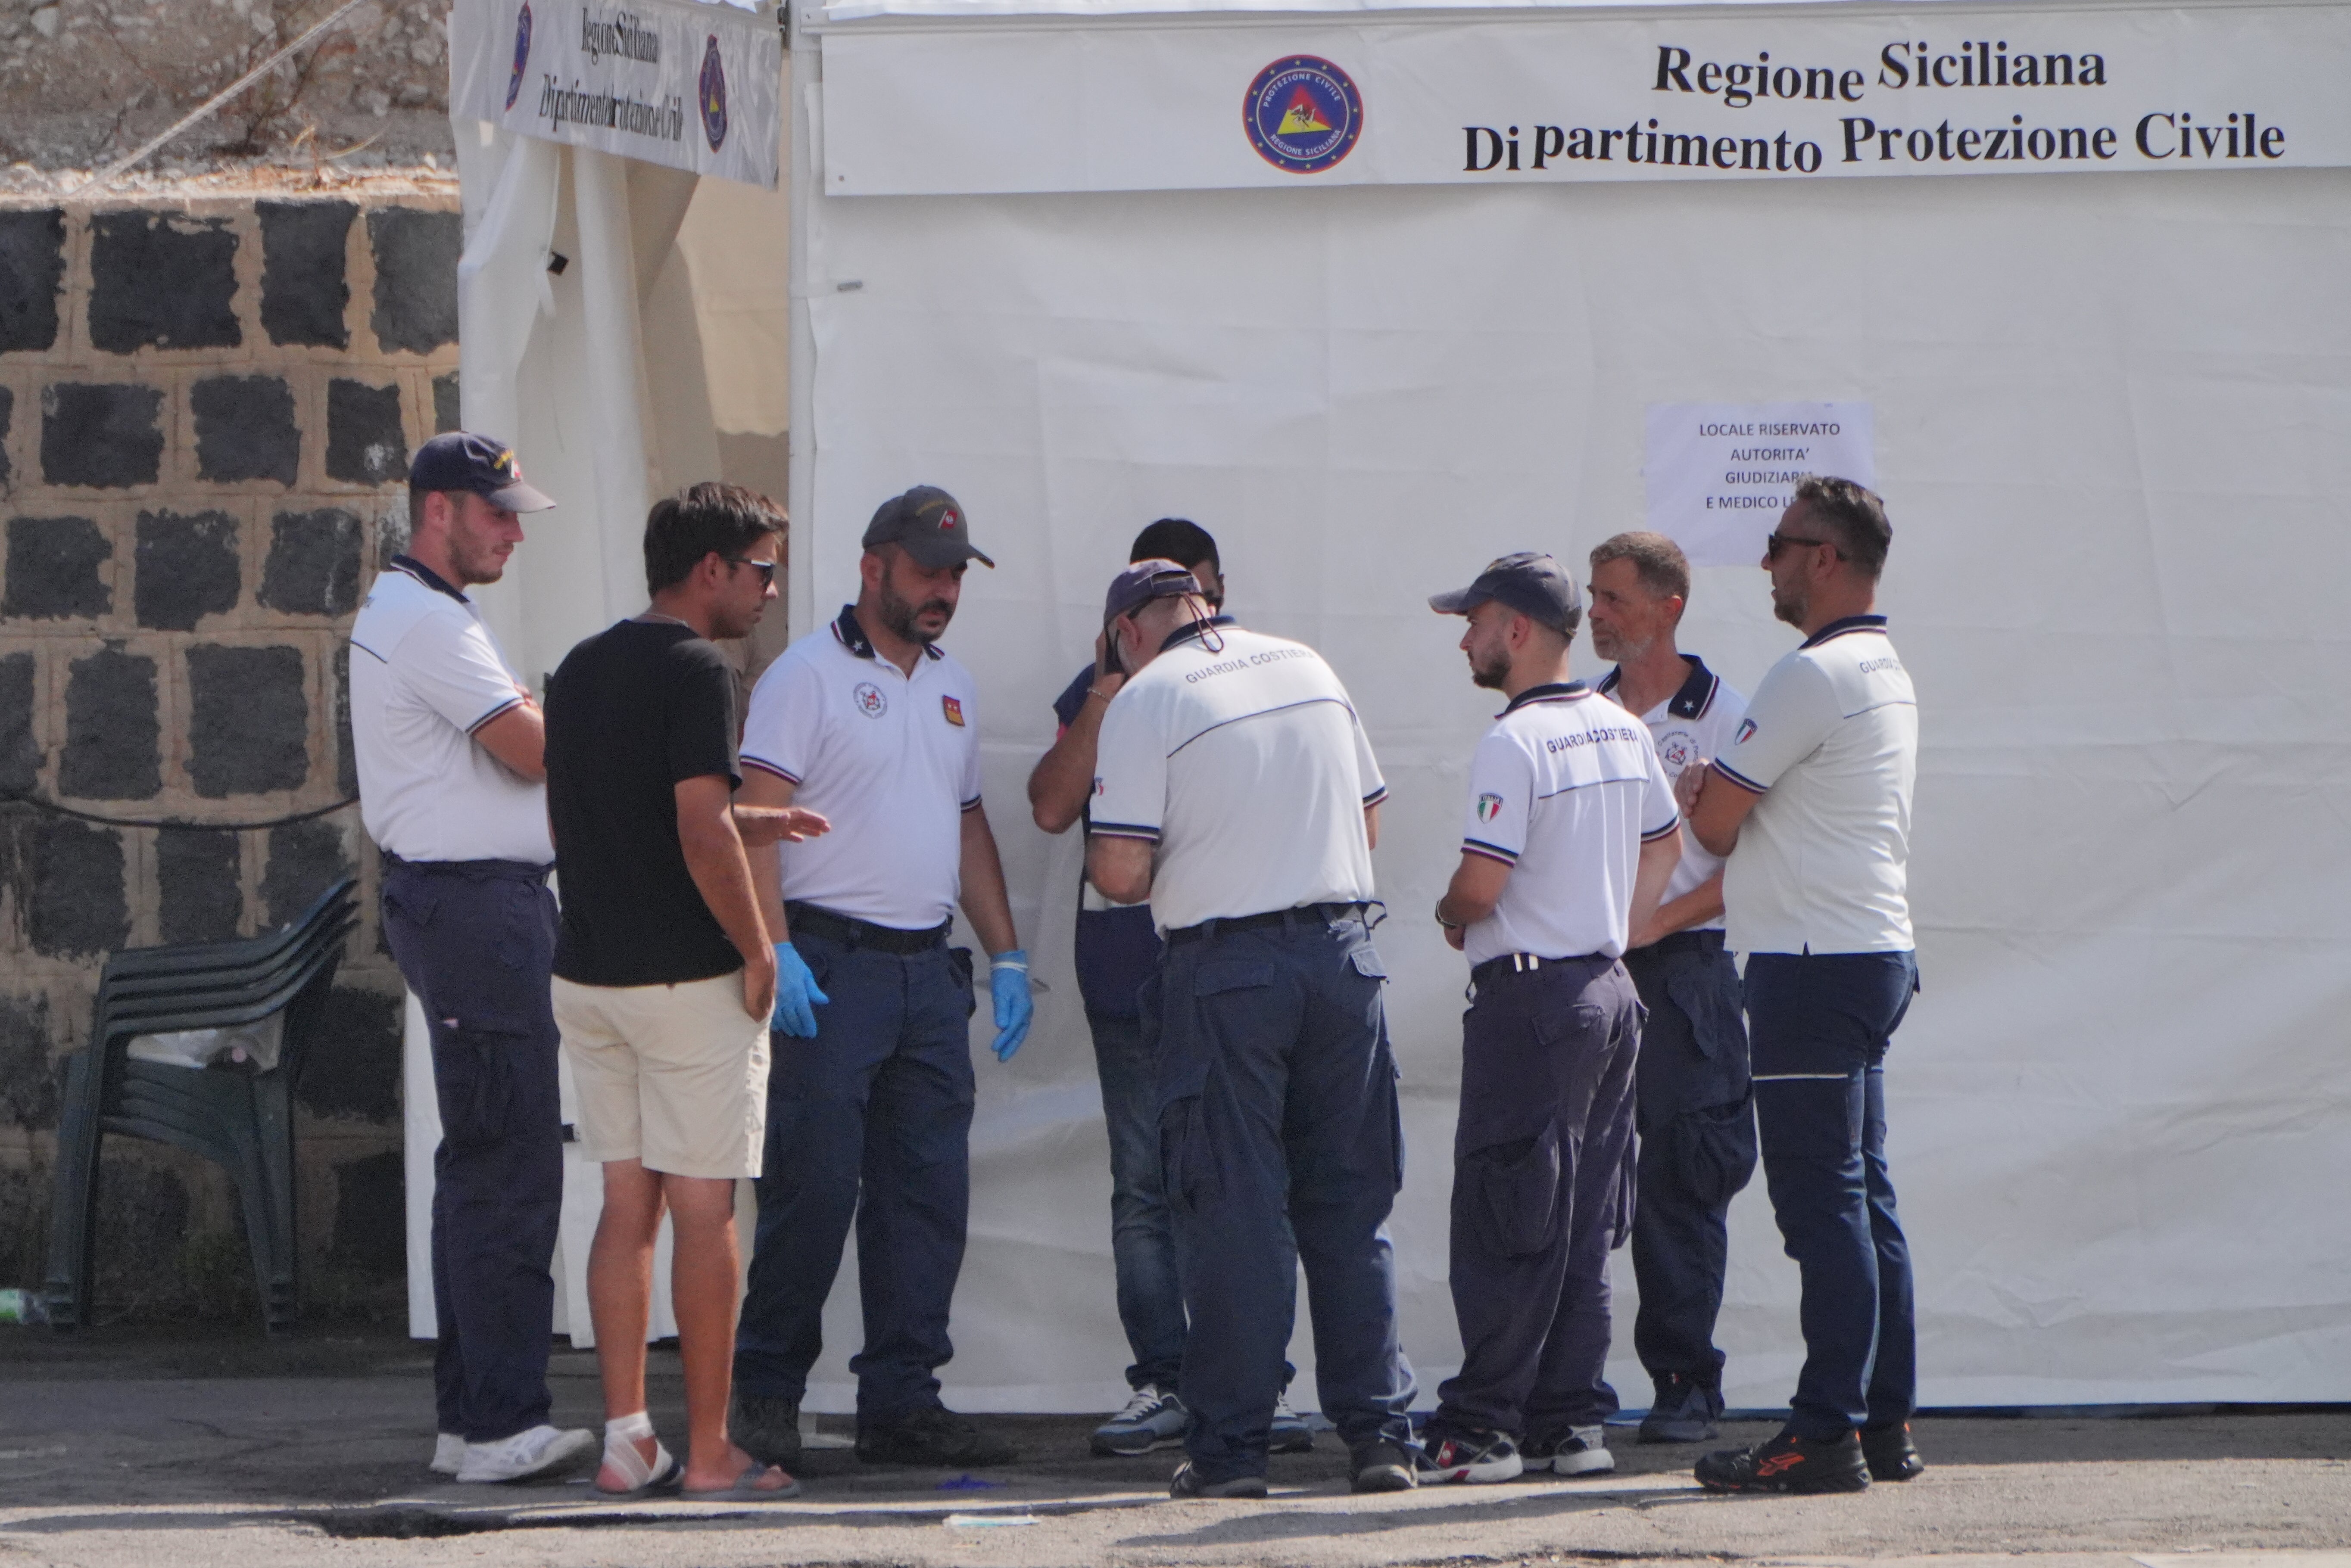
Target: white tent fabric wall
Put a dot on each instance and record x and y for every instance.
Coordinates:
(2108, 410)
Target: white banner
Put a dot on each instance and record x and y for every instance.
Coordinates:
(1718, 473)
(692, 86)
(948, 107)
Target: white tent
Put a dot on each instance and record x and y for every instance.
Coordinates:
(1036, 255)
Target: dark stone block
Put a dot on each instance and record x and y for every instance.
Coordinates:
(111, 729)
(32, 276)
(416, 257)
(347, 766)
(70, 888)
(161, 280)
(56, 569)
(187, 569)
(306, 859)
(31, 1081)
(203, 893)
(7, 418)
(372, 1216)
(101, 434)
(446, 404)
(303, 288)
(249, 720)
(353, 1067)
(365, 443)
(20, 755)
(245, 430)
(314, 562)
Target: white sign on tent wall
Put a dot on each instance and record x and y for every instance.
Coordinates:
(1718, 473)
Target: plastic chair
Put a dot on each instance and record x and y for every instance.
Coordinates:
(240, 1119)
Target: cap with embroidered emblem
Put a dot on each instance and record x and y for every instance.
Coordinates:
(927, 523)
(461, 459)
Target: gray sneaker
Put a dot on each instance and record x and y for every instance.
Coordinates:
(768, 1429)
(1578, 1451)
(1152, 1419)
(1682, 1412)
(1290, 1434)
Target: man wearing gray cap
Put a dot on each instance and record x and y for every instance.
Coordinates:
(869, 1093)
(1235, 790)
(1572, 834)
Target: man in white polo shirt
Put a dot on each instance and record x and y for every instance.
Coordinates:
(450, 754)
(1697, 1109)
(1571, 832)
(1811, 804)
(1235, 790)
(870, 1095)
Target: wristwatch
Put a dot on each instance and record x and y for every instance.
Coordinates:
(1439, 911)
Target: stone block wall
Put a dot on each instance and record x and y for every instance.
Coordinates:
(206, 413)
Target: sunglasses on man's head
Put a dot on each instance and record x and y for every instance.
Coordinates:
(1778, 542)
(767, 569)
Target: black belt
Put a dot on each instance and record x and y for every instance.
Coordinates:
(853, 933)
(1682, 942)
(1315, 914)
(1494, 968)
(523, 870)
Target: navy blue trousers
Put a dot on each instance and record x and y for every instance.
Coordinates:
(1697, 1120)
(1542, 1194)
(1820, 1023)
(871, 1122)
(475, 941)
(1278, 1095)
(1143, 1233)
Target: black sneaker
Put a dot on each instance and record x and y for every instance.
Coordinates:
(1889, 1452)
(1186, 1482)
(931, 1436)
(1682, 1412)
(1472, 1457)
(1382, 1466)
(767, 1429)
(1788, 1463)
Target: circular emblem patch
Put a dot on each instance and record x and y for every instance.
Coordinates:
(1303, 114)
(870, 700)
(1678, 750)
(522, 53)
(714, 94)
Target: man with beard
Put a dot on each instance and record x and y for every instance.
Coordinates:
(1570, 835)
(1810, 802)
(871, 723)
(1697, 1113)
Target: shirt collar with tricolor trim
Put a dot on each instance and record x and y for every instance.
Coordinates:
(428, 576)
(1551, 691)
(1849, 624)
(1695, 696)
(853, 636)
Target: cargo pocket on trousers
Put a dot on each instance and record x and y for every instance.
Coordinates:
(959, 959)
(473, 1078)
(1516, 1187)
(1714, 1148)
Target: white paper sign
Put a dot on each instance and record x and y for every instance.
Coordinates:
(1718, 473)
(693, 87)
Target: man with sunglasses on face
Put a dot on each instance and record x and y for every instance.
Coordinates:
(869, 722)
(1810, 802)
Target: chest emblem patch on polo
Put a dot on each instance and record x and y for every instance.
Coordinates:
(1489, 807)
(1678, 750)
(953, 709)
(1746, 728)
(869, 700)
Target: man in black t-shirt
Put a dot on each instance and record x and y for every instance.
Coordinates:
(664, 975)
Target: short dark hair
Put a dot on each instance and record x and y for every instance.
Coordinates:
(1855, 514)
(1176, 539)
(1657, 562)
(707, 519)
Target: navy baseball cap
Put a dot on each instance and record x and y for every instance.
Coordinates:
(1528, 582)
(927, 523)
(460, 460)
(1143, 582)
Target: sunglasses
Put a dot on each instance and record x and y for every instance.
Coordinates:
(767, 569)
(1778, 542)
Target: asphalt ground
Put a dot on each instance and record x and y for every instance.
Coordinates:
(121, 1448)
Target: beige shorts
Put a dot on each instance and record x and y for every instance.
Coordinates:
(673, 1076)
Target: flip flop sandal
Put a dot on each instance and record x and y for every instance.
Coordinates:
(663, 1477)
(746, 1489)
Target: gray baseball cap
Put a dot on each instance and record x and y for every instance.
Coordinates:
(1143, 581)
(929, 524)
(1529, 582)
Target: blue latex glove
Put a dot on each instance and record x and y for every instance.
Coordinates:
(1007, 982)
(797, 996)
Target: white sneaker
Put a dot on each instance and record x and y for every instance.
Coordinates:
(1583, 1451)
(1290, 1434)
(448, 1453)
(1152, 1419)
(535, 1452)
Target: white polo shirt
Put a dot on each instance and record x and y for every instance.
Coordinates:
(1831, 741)
(1695, 723)
(893, 761)
(425, 675)
(1239, 755)
(1565, 790)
